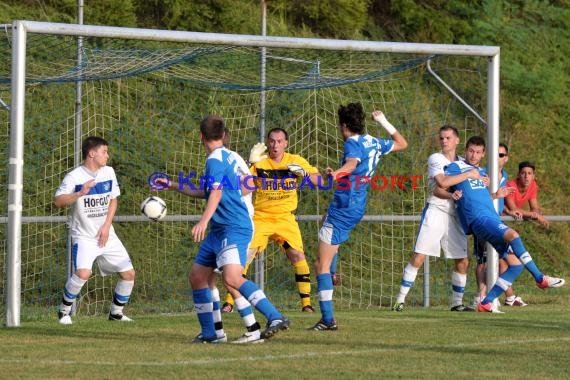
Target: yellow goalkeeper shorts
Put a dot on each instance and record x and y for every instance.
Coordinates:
(280, 228)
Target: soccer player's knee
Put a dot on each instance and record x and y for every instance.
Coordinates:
(511, 235)
(233, 282)
(128, 275)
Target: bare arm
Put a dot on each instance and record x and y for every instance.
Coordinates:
(400, 142)
(442, 193)
(247, 185)
(199, 230)
(347, 168)
(446, 182)
(533, 214)
(63, 200)
(103, 233)
(186, 190)
(315, 179)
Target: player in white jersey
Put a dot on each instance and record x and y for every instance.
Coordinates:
(440, 227)
(92, 190)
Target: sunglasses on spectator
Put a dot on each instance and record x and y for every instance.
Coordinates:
(501, 155)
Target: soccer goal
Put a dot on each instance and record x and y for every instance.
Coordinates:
(145, 91)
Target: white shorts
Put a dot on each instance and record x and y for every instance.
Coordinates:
(112, 258)
(440, 230)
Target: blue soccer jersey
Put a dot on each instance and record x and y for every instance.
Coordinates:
(222, 169)
(475, 202)
(502, 183)
(353, 187)
(349, 200)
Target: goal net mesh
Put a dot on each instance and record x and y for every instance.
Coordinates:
(147, 99)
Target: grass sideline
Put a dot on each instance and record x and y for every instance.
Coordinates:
(524, 343)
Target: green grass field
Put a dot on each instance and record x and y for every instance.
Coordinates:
(523, 343)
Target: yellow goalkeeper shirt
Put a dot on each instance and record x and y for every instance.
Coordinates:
(276, 185)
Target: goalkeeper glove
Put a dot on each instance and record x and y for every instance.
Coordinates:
(257, 153)
(296, 170)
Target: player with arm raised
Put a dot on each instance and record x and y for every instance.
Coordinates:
(360, 158)
(92, 190)
(479, 217)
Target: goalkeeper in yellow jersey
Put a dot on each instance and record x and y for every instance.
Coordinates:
(275, 203)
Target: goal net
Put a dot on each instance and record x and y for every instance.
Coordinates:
(147, 97)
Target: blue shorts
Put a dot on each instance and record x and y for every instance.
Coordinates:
(493, 230)
(224, 246)
(338, 224)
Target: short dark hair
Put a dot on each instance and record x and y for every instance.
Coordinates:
(90, 143)
(352, 115)
(526, 164)
(212, 128)
(504, 146)
(278, 129)
(475, 140)
(448, 127)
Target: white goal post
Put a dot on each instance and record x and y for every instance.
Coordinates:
(21, 29)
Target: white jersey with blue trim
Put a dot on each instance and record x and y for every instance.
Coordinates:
(475, 201)
(89, 212)
(367, 150)
(223, 168)
(436, 164)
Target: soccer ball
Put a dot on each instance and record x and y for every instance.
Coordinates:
(153, 208)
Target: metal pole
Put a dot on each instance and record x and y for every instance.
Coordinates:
(16, 175)
(77, 136)
(493, 155)
(260, 261)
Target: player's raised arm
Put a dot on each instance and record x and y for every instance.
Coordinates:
(400, 142)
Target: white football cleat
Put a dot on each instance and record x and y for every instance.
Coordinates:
(550, 282)
(64, 319)
(119, 317)
(249, 337)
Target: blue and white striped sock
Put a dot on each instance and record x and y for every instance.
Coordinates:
(325, 290)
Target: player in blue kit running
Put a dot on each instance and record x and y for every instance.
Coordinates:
(361, 155)
(478, 216)
(225, 246)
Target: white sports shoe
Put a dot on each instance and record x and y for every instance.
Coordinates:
(64, 319)
(550, 282)
(119, 317)
(249, 337)
(516, 302)
(200, 339)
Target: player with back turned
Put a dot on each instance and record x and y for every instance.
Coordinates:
(361, 155)
(225, 245)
